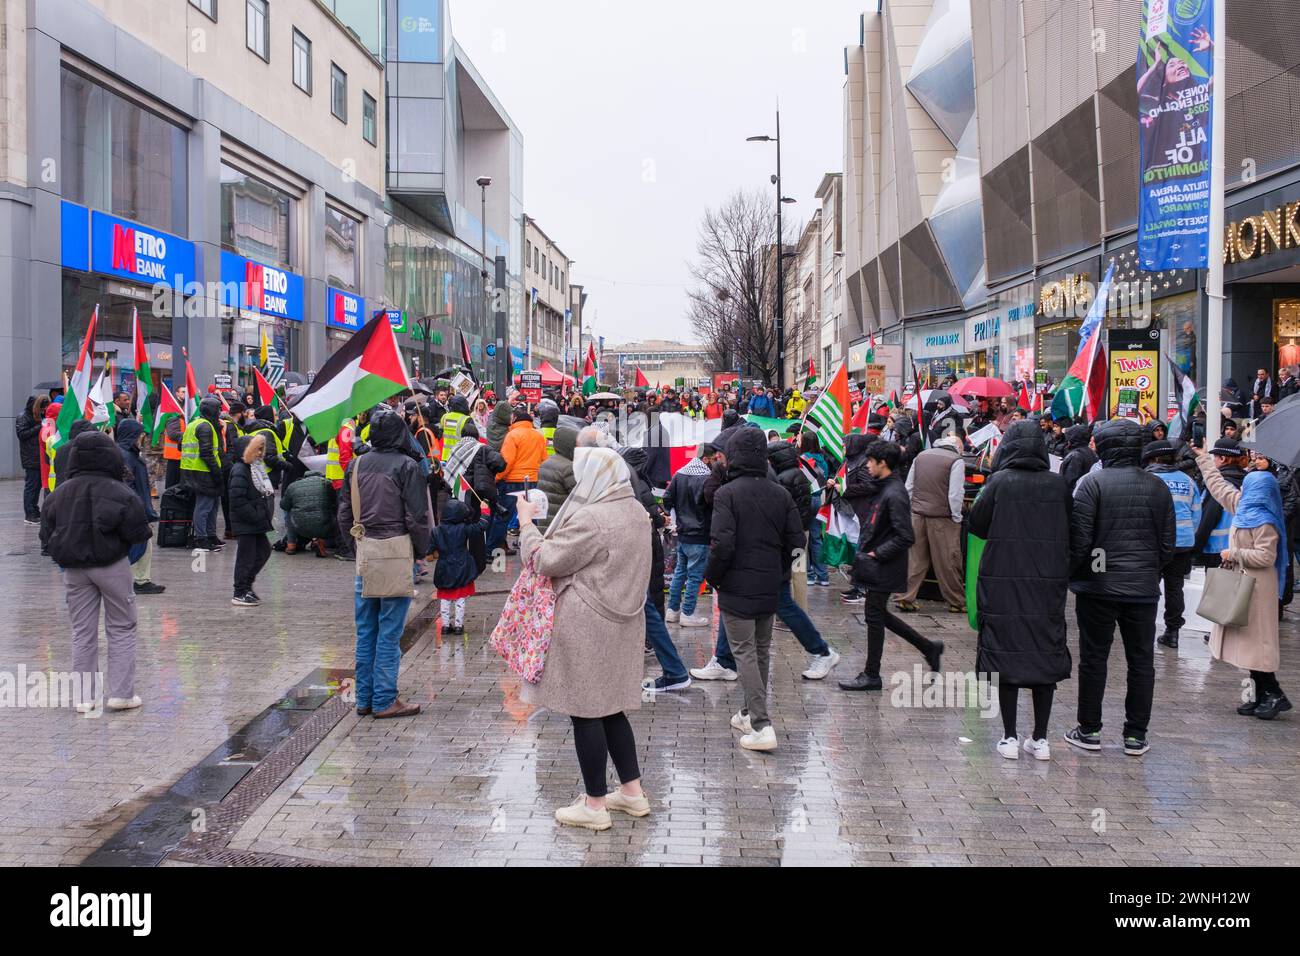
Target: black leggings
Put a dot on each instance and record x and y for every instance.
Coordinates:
(597, 739)
(1009, 695)
(1265, 683)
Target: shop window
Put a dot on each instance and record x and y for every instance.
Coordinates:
(121, 158)
(82, 293)
(1287, 332)
(256, 219)
(342, 250)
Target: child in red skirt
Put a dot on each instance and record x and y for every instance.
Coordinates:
(459, 543)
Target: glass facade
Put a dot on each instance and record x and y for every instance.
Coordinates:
(116, 300)
(256, 219)
(342, 250)
(121, 158)
(241, 344)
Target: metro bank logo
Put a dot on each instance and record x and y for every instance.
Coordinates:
(141, 253)
(135, 252)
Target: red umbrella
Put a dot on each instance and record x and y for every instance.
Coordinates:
(981, 387)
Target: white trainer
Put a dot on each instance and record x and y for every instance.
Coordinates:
(671, 616)
(89, 707)
(1009, 747)
(1038, 749)
(123, 703)
(819, 667)
(713, 671)
(764, 739)
(695, 620)
(740, 721)
(578, 814)
(632, 806)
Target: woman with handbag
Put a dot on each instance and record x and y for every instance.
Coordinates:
(596, 551)
(1257, 545)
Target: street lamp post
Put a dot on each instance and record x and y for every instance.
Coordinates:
(781, 200)
(483, 183)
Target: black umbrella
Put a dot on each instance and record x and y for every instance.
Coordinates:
(1277, 437)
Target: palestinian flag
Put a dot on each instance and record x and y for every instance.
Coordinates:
(641, 380)
(871, 350)
(893, 401)
(589, 385)
(1024, 401)
(76, 403)
(191, 389)
(265, 391)
(364, 372)
(1082, 394)
(862, 418)
(143, 377)
(831, 414)
(1189, 399)
(840, 531)
(466, 359)
(811, 379)
(168, 408)
(104, 414)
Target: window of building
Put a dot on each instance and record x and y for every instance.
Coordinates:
(301, 62)
(338, 92)
(256, 219)
(368, 110)
(342, 250)
(208, 7)
(121, 158)
(257, 23)
(528, 250)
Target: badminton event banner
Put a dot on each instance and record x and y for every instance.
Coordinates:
(1175, 67)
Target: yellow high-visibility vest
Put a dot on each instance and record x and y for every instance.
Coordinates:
(549, 433)
(452, 424)
(190, 460)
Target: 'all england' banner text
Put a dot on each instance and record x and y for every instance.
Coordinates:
(1174, 72)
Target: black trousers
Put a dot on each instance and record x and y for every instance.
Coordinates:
(31, 493)
(1097, 619)
(879, 619)
(1174, 576)
(172, 474)
(1265, 683)
(599, 739)
(254, 550)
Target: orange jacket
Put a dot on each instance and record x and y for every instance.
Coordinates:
(524, 451)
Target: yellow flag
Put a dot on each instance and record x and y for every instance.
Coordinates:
(263, 356)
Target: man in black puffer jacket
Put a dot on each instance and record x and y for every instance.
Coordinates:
(880, 568)
(1079, 458)
(28, 430)
(784, 459)
(754, 533)
(860, 490)
(88, 525)
(1122, 534)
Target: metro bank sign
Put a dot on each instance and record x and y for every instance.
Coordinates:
(131, 251)
(248, 284)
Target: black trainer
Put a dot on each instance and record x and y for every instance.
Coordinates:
(1080, 738)
(148, 587)
(1136, 746)
(1168, 639)
(1270, 705)
(933, 656)
(853, 596)
(863, 681)
(1248, 708)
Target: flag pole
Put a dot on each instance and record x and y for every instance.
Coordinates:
(1214, 270)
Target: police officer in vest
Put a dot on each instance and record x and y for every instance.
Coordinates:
(1216, 522)
(453, 425)
(1160, 457)
(203, 451)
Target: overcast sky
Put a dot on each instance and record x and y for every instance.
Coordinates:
(634, 118)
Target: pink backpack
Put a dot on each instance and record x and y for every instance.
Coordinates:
(523, 633)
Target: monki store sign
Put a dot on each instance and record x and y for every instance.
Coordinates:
(1262, 234)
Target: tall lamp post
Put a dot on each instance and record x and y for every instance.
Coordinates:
(483, 183)
(780, 256)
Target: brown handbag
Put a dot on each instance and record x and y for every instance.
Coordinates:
(385, 565)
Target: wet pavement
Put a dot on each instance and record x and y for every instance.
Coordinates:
(475, 778)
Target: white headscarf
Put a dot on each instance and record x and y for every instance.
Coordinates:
(599, 472)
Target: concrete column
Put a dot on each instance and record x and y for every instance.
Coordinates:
(312, 333)
(198, 326)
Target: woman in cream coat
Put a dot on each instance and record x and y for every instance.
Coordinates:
(596, 551)
(1257, 546)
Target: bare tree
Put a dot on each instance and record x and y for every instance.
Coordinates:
(733, 303)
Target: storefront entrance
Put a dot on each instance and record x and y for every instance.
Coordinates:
(117, 302)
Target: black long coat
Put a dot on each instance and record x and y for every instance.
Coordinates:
(1023, 514)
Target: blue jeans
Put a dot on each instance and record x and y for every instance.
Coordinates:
(379, 648)
(689, 572)
(816, 569)
(500, 522)
(665, 650)
(205, 516)
(793, 616)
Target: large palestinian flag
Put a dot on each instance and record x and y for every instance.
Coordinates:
(1082, 394)
(588, 371)
(76, 403)
(367, 370)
